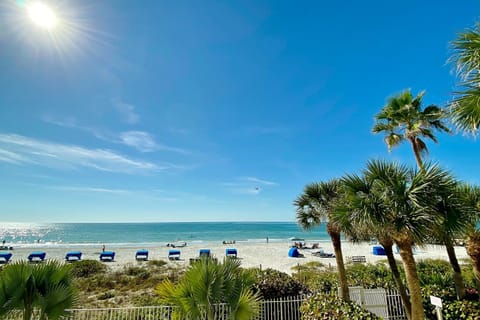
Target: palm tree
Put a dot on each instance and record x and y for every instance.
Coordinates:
(403, 119)
(362, 211)
(316, 205)
(47, 287)
(408, 210)
(206, 285)
(471, 195)
(465, 108)
(455, 213)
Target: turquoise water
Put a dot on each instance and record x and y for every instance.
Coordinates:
(126, 234)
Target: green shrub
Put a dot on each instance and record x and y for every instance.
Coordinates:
(106, 295)
(447, 294)
(275, 284)
(370, 276)
(461, 310)
(327, 306)
(156, 263)
(87, 268)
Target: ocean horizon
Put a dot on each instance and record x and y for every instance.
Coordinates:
(151, 233)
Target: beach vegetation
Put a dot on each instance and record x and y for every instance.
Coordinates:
(47, 288)
(206, 285)
(132, 285)
(461, 310)
(402, 119)
(272, 284)
(87, 268)
(315, 206)
(322, 306)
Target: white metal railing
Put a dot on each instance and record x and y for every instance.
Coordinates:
(385, 303)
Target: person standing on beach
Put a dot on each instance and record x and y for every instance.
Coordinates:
(267, 239)
(103, 248)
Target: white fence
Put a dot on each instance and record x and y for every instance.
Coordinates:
(384, 303)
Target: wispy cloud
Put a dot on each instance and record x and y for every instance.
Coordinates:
(90, 189)
(126, 110)
(145, 142)
(259, 181)
(30, 150)
(248, 185)
(140, 140)
(251, 190)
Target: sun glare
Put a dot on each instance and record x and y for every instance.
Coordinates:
(42, 15)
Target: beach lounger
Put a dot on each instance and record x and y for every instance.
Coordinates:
(73, 256)
(174, 255)
(357, 259)
(141, 255)
(231, 253)
(378, 251)
(107, 256)
(204, 253)
(6, 256)
(323, 254)
(37, 256)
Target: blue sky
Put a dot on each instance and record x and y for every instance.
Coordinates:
(210, 110)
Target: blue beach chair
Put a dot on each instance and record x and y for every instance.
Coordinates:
(141, 255)
(37, 256)
(204, 253)
(73, 256)
(6, 256)
(174, 255)
(107, 256)
(231, 253)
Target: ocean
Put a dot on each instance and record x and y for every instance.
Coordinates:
(151, 234)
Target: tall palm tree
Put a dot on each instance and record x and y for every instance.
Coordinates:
(316, 205)
(408, 203)
(206, 285)
(47, 287)
(402, 119)
(465, 108)
(363, 210)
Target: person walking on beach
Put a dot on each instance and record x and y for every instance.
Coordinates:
(267, 239)
(103, 248)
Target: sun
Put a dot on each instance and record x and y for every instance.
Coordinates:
(42, 15)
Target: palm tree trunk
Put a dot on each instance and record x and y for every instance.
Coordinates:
(473, 250)
(337, 248)
(457, 272)
(406, 252)
(416, 152)
(387, 246)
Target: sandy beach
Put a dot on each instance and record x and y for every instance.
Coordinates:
(265, 255)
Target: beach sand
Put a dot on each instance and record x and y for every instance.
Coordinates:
(265, 255)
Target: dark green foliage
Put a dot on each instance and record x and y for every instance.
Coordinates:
(320, 279)
(275, 284)
(370, 276)
(327, 306)
(47, 287)
(461, 310)
(87, 268)
(446, 294)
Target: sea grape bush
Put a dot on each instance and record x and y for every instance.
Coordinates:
(273, 284)
(323, 306)
(461, 310)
